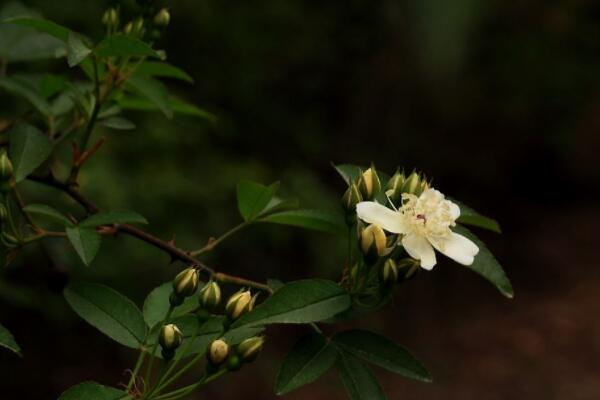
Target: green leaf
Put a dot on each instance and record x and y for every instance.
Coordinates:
(85, 241)
(468, 216)
(43, 209)
(358, 379)
(383, 352)
(124, 46)
(162, 70)
(277, 205)
(486, 265)
(8, 341)
(77, 51)
(310, 358)
(299, 302)
(29, 148)
(252, 198)
(349, 173)
(154, 91)
(177, 106)
(109, 311)
(42, 25)
(118, 123)
(310, 219)
(156, 305)
(20, 87)
(92, 391)
(113, 217)
(237, 335)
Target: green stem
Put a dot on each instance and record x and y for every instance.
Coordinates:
(136, 369)
(215, 242)
(179, 373)
(155, 346)
(184, 391)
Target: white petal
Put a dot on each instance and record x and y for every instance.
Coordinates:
(375, 213)
(454, 210)
(419, 247)
(457, 247)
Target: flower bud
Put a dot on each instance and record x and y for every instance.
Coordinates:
(407, 268)
(6, 167)
(3, 213)
(138, 26)
(218, 351)
(250, 348)
(234, 363)
(415, 184)
(389, 272)
(393, 189)
(128, 28)
(210, 296)
(369, 183)
(110, 17)
(8, 240)
(373, 242)
(351, 198)
(170, 337)
(162, 18)
(186, 282)
(238, 304)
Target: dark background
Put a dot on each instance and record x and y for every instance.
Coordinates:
(498, 101)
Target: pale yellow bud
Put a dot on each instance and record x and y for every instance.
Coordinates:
(218, 351)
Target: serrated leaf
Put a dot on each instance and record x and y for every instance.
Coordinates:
(113, 217)
(162, 70)
(43, 209)
(92, 391)
(299, 302)
(309, 219)
(42, 25)
(123, 46)
(358, 379)
(310, 358)
(109, 311)
(118, 123)
(486, 265)
(252, 198)
(85, 241)
(8, 341)
(21, 87)
(383, 352)
(154, 91)
(156, 305)
(29, 148)
(77, 51)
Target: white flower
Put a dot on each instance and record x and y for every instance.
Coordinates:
(425, 223)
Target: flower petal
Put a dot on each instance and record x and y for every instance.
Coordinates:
(454, 210)
(375, 213)
(457, 247)
(419, 247)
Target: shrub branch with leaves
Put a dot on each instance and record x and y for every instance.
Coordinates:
(393, 227)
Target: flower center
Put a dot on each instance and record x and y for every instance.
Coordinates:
(428, 215)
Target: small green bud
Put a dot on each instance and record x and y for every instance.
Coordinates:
(138, 26)
(128, 28)
(162, 18)
(210, 296)
(186, 282)
(110, 17)
(393, 189)
(234, 363)
(389, 272)
(250, 348)
(170, 337)
(238, 304)
(373, 242)
(6, 167)
(351, 198)
(369, 183)
(218, 351)
(9, 240)
(415, 184)
(407, 268)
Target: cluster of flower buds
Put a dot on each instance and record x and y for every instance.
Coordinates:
(185, 285)
(170, 339)
(398, 184)
(134, 28)
(239, 304)
(110, 18)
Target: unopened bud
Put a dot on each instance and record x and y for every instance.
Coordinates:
(3, 213)
(218, 351)
(128, 28)
(9, 240)
(373, 242)
(393, 189)
(6, 167)
(138, 26)
(170, 337)
(415, 184)
(407, 268)
(389, 272)
(186, 282)
(162, 18)
(351, 198)
(250, 348)
(238, 304)
(369, 184)
(210, 296)
(110, 17)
